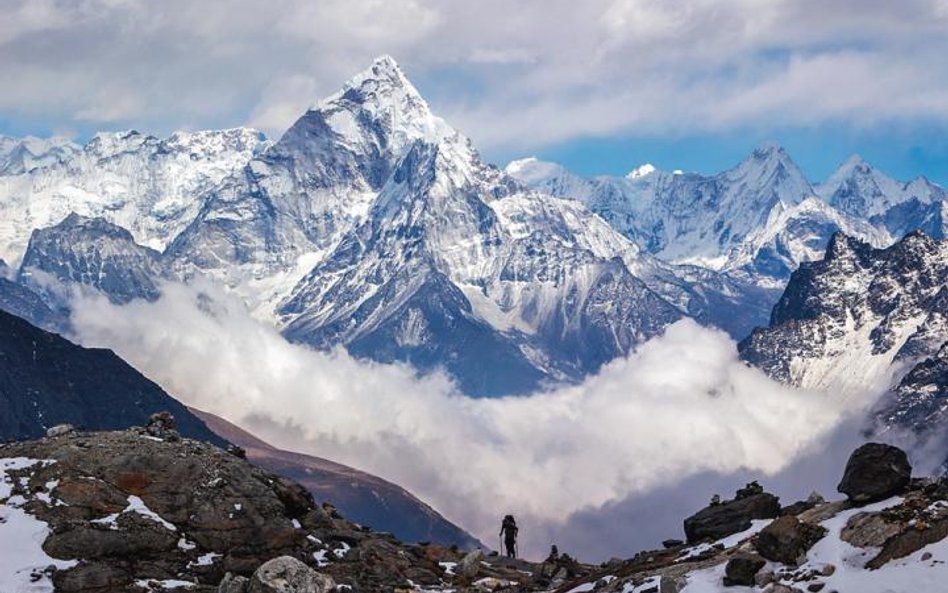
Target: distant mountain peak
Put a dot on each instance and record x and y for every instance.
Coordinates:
(377, 112)
(383, 79)
(855, 160)
(769, 149)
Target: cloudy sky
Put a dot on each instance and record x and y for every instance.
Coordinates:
(601, 85)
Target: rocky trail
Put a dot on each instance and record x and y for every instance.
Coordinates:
(145, 510)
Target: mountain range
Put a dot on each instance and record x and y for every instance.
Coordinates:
(373, 224)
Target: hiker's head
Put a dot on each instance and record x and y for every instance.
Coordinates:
(509, 519)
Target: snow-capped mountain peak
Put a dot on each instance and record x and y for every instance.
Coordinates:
(383, 95)
(772, 175)
(859, 189)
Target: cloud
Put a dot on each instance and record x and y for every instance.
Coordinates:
(511, 75)
(681, 407)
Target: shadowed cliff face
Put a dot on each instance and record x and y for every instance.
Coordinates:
(47, 380)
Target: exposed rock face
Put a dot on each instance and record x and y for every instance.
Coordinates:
(91, 252)
(918, 401)
(733, 516)
(787, 539)
(875, 471)
(843, 321)
(741, 570)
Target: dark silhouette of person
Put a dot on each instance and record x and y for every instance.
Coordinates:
(508, 529)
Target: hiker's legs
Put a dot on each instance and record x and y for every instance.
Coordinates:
(511, 548)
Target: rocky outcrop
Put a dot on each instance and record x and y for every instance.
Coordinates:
(131, 511)
(725, 518)
(787, 539)
(741, 570)
(875, 471)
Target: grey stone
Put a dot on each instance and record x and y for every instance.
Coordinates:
(286, 574)
(233, 584)
(59, 430)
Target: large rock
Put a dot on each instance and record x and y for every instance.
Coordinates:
(787, 539)
(734, 516)
(288, 575)
(741, 570)
(875, 471)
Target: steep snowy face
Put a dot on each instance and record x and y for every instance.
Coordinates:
(850, 322)
(687, 218)
(458, 266)
(859, 189)
(793, 235)
(294, 203)
(19, 155)
(151, 187)
(90, 252)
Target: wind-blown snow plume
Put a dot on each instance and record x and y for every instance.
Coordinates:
(682, 405)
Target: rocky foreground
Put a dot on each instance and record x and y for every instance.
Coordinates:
(144, 510)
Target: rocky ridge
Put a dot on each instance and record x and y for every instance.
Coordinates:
(863, 322)
(143, 510)
(758, 220)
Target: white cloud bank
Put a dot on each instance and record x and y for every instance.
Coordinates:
(680, 407)
(509, 74)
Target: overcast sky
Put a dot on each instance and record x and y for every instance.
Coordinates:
(599, 84)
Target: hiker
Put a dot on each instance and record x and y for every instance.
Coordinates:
(508, 529)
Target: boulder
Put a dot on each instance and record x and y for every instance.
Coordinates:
(728, 518)
(870, 530)
(233, 584)
(470, 565)
(59, 430)
(161, 425)
(875, 471)
(787, 539)
(286, 574)
(741, 570)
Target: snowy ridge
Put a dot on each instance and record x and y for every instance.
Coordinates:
(759, 220)
(859, 189)
(151, 187)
